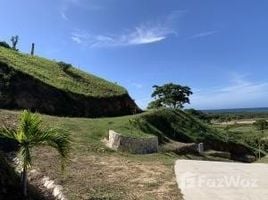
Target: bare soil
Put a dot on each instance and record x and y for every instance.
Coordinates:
(110, 176)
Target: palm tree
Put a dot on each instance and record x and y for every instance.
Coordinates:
(30, 133)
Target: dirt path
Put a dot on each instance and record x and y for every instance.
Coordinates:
(206, 180)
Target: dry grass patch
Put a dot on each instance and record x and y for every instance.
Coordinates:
(111, 176)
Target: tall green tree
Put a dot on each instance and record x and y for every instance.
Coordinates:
(170, 95)
(30, 133)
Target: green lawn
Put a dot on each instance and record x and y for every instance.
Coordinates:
(48, 71)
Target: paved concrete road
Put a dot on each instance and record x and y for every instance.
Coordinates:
(207, 180)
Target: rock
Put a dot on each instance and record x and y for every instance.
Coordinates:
(118, 141)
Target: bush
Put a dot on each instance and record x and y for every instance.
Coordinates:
(4, 44)
(64, 66)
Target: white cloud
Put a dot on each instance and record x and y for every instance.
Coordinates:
(240, 93)
(203, 34)
(63, 15)
(142, 34)
(76, 39)
(145, 33)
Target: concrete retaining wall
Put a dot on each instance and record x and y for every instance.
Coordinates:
(131, 144)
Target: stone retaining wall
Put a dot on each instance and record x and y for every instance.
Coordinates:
(120, 142)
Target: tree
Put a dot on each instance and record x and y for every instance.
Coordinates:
(261, 125)
(170, 95)
(64, 66)
(30, 133)
(14, 40)
(155, 104)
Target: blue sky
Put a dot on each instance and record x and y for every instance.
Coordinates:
(217, 47)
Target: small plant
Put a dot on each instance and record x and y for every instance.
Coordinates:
(64, 66)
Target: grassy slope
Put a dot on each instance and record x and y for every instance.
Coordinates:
(97, 172)
(49, 72)
(244, 133)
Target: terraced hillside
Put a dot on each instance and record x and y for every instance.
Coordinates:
(48, 87)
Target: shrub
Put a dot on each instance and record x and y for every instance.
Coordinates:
(4, 44)
(64, 66)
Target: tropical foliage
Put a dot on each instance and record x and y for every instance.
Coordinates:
(30, 133)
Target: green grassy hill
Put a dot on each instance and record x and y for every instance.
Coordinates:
(57, 88)
(168, 125)
(50, 72)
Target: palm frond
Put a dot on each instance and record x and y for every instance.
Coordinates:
(30, 133)
(29, 124)
(57, 138)
(6, 133)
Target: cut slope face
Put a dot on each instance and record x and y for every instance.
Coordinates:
(38, 84)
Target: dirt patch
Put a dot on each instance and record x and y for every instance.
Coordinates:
(110, 176)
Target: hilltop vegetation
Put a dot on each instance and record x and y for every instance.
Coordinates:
(51, 73)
